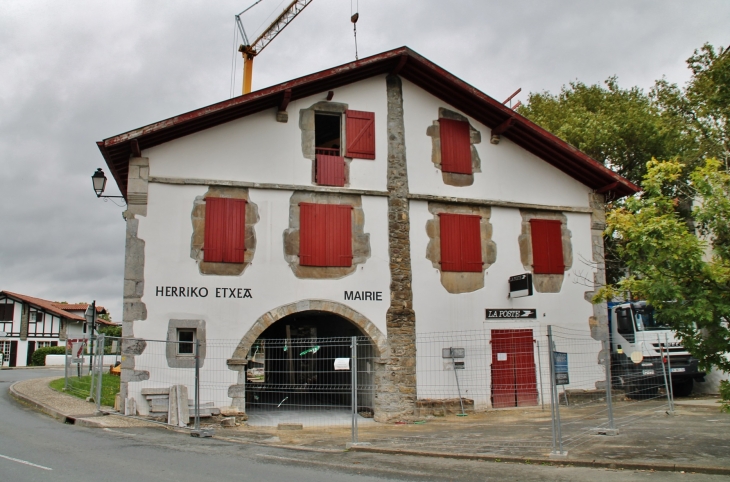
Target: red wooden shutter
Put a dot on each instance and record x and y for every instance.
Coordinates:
(339, 235)
(225, 230)
(503, 370)
(450, 244)
(471, 243)
(461, 242)
(455, 146)
(525, 375)
(330, 170)
(547, 246)
(235, 243)
(360, 130)
(325, 235)
(215, 225)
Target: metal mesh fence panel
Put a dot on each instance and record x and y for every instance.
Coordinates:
(588, 404)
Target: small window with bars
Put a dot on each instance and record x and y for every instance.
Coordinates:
(186, 341)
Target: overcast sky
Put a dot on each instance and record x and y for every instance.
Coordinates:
(76, 72)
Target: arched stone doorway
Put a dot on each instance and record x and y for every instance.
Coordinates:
(286, 360)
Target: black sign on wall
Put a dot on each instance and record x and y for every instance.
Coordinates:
(506, 314)
(520, 285)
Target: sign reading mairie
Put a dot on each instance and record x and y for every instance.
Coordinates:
(504, 314)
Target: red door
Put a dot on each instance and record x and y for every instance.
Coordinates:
(514, 381)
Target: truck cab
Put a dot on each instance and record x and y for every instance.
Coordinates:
(642, 348)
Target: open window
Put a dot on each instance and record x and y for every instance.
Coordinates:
(461, 242)
(325, 235)
(330, 150)
(547, 246)
(225, 230)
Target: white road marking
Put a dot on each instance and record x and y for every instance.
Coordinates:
(25, 462)
(125, 434)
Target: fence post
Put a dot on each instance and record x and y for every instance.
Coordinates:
(65, 367)
(100, 368)
(197, 384)
(539, 371)
(609, 380)
(664, 372)
(353, 383)
(555, 402)
(669, 370)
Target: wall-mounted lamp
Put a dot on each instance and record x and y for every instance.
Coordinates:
(99, 181)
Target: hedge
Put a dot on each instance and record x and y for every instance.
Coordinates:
(39, 356)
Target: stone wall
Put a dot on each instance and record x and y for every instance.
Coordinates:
(395, 395)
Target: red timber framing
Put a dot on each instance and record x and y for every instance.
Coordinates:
(514, 382)
(547, 246)
(325, 235)
(461, 242)
(330, 170)
(409, 65)
(360, 129)
(455, 146)
(225, 230)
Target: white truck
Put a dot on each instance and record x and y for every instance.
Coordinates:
(643, 350)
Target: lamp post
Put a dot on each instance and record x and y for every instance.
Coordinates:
(99, 181)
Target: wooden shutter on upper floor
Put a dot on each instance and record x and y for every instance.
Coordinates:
(330, 170)
(461, 242)
(547, 246)
(360, 133)
(455, 146)
(225, 230)
(325, 235)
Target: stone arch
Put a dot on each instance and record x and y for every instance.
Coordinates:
(268, 319)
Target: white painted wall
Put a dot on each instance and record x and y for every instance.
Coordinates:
(256, 148)
(167, 230)
(259, 149)
(439, 311)
(509, 173)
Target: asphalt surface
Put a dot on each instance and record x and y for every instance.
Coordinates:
(35, 447)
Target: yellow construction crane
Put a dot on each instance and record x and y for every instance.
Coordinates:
(251, 50)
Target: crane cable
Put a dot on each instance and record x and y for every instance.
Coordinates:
(353, 19)
(234, 62)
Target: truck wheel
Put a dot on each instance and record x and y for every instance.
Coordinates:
(682, 388)
(643, 390)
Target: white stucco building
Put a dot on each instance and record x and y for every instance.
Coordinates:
(385, 198)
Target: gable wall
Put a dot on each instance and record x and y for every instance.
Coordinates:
(509, 173)
(257, 148)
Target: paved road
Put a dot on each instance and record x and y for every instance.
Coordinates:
(36, 447)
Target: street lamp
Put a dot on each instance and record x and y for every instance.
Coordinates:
(99, 181)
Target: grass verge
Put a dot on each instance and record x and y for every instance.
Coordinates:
(80, 387)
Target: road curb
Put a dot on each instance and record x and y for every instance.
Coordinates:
(606, 464)
(41, 407)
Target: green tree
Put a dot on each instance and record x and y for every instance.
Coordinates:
(683, 272)
(622, 128)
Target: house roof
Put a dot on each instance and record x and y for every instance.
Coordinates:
(45, 305)
(408, 64)
(77, 307)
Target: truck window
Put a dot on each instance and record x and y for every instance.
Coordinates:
(646, 319)
(623, 322)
